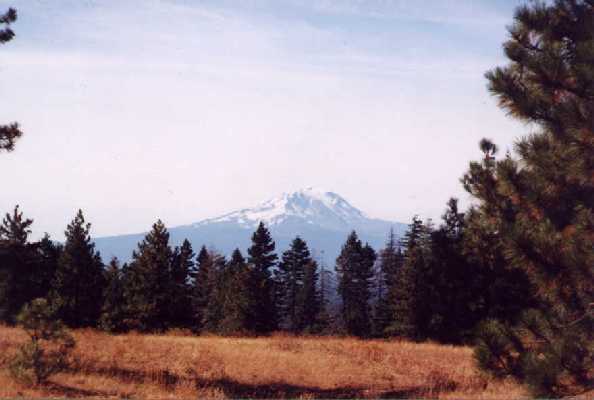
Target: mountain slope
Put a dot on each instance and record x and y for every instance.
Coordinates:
(323, 219)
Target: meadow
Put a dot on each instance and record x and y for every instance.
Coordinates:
(177, 365)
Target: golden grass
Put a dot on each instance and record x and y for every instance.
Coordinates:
(175, 366)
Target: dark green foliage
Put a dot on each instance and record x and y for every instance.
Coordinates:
(312, 317)
(26, 269)
(540, 206)
(217, 282)
(15, 229)
(202, 286)
(48, 254)
(8, 133)
(459, 289)
(503, 351)
(390, 262)
(298, 300)
(6, 34)
(494, 348)
(289, 278)
(453, 285)
(497, 290)
(182, 268)
(262, 259)
(410, 308)
(147, 289)
(354, 269)
(48, 349)
(17, 265)
(236, 297)
(77, 287)
(453, 278)
(222, 299)
(113, 315)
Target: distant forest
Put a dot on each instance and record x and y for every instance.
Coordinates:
(512, 275)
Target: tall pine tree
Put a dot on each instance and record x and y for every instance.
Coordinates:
(148, 282)
(354, 268)
(390, 261)
(77, 287)
(452, 282)
(290, 274)
(237, 299)
(182, 268)
(216, 281)
(325, 321)
(312, 318)
(541, 203)
(262, 258)
(17, 265)
(455, 288)
(407, 302)
(48, 255)
(202, 286)
(113, 310)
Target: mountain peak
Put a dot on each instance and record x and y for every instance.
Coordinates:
(309, 205)
(322, 218)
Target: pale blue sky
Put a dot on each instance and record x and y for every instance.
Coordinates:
(182, 110)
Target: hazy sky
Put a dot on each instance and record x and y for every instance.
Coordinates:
(182, 110)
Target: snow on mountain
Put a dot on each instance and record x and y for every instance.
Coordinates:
(323, 219)
(312, 206)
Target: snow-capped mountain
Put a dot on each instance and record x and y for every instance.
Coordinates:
(323, 219)
(311, 206)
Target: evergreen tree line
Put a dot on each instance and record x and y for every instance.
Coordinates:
(434, 284)
(162, 287)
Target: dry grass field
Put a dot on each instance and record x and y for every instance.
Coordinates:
(177, 366)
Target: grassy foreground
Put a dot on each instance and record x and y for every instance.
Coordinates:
(173, 366)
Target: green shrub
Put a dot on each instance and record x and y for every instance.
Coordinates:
(48, 350)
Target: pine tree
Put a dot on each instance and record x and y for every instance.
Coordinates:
(454, 287)
(77, 287)
(262, 258)
(216, 281)
(408, 306)
(325, 319)
(46, 264)
(182, 268)
(17, 265)
(26, 269)
(354, 268)
(503, 292)
(148, 282)
(237, 299)
(309, 301)
(202, 286)
(15, 229)
(113, 316)
(540, 204)
(8, 133)
(422, 260)
(450, 279)
(390, 261)
(290, 275)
